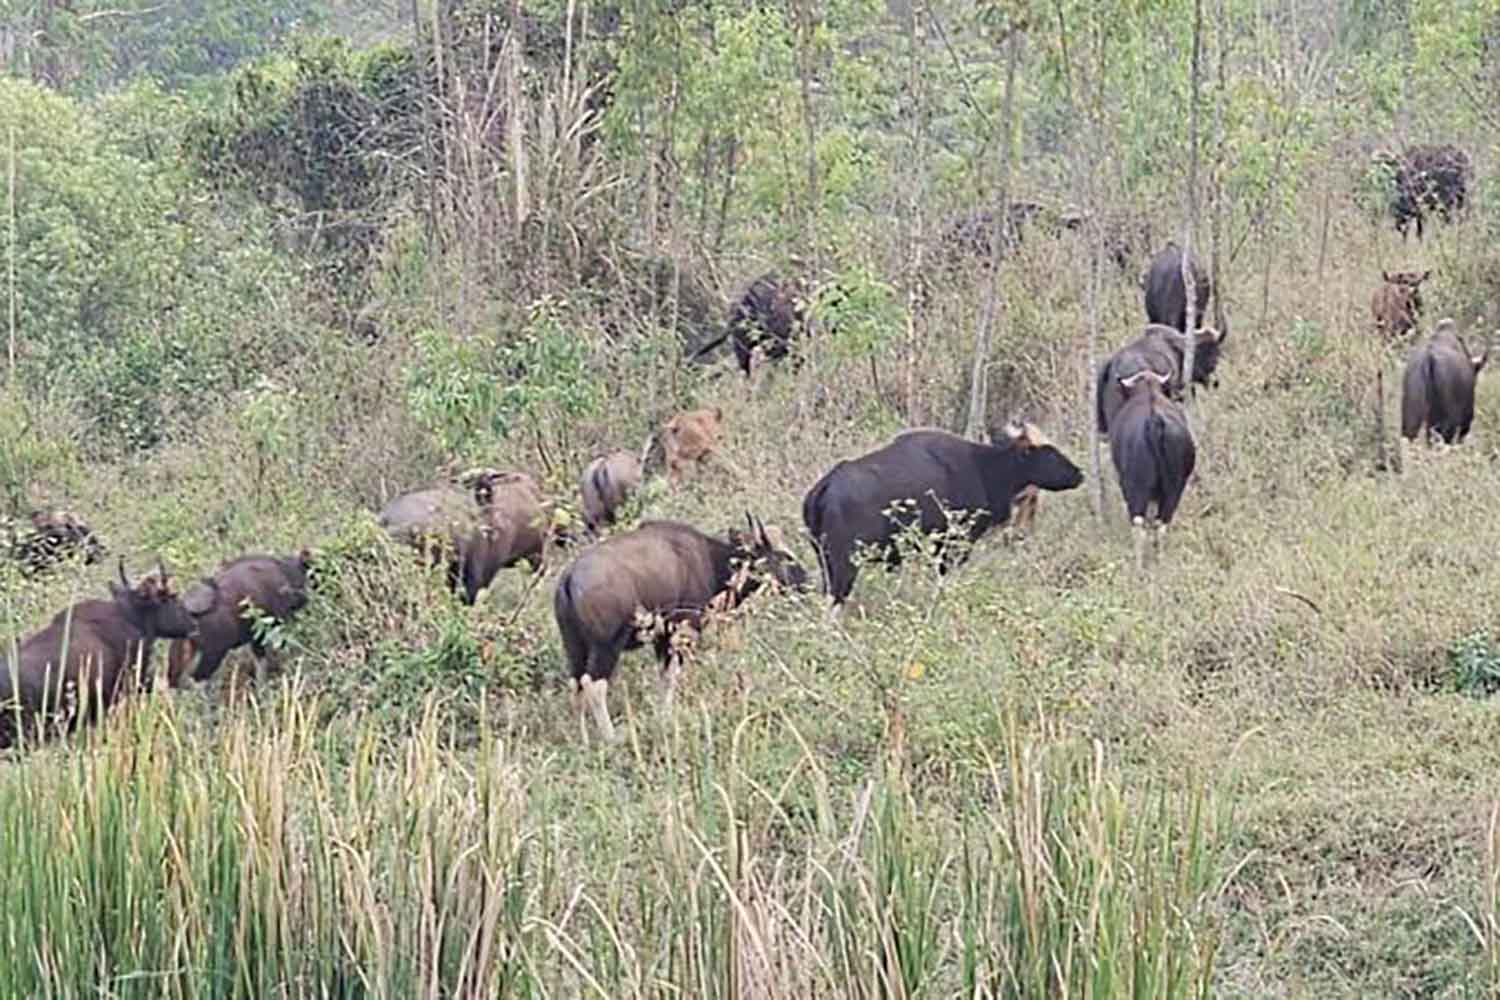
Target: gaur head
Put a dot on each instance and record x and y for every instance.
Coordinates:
(153, 606)
(1205, 353)
(1042, 462)
(764, 553)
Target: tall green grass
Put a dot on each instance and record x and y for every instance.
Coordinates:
(255, 862)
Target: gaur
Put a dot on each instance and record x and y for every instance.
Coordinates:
(89, 656)
(1437, 392)
(501, 522)
(607, 482)
(1166, 295)
(661, 568)
(1397, 303)
(924, 471)
(1160, 349)
(1153, 452)
(276, 586)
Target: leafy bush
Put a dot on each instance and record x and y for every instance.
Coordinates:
(1475, 662)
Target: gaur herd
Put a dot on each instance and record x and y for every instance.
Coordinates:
(645, 584)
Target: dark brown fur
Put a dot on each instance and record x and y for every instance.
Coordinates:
(108, 653)
(501, 522)
(663, 568)
(1437, 392)
(1166, 295)
(52, 537)
(607, 482)
(1160, 349)
(930, 469)
(275, 586)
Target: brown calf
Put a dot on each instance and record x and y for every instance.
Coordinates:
(1397, 303)
(691, 439)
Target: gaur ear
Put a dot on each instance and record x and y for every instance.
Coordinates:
(200, 598)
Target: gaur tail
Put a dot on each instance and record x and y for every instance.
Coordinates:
(812, 511)
(711, 343)
(1416, 396)
(1099, 419)
(1170, 458)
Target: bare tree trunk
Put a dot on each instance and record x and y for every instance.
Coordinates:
(1216, 266)
(1189, 282)
(805, 57)
(430, 102)
(11, 256)
(916, 50)
(515, 118)
(978, 372)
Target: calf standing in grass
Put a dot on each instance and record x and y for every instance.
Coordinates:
(89, 656)
(273, 585)
(1154, 455)
(691, 440)
(662, 568)
(1397, 303)
(924, 471)
(1437, 393)
(606, 484)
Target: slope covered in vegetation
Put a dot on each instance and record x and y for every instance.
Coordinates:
(255, 294)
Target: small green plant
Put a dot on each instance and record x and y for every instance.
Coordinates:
(1475, 663)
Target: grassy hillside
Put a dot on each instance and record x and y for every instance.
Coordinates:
(1266, 767)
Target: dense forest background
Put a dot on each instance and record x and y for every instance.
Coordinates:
(268, 264)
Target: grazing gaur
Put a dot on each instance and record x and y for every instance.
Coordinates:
(1160, 349)
(1397, 303)
(1153, 452)
(921, 469)
(691, 439)
(973, 235)
(771, 312)
(52, 537)
(274, 585)
(607, 482)
(664, 569)
(89, 656)
(1437, 392)
(1166, 295)
(1432, 178)
(501, 522)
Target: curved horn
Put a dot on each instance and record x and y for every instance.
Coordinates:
(1484, 356)
(161, 569)
(125, 580)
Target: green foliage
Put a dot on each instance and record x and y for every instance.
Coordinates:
(131, 297)
(31, 452)
(452, 390)
(861, 310)
(549, 380)
(94, 44)
(319, 135)
(1474, 660)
